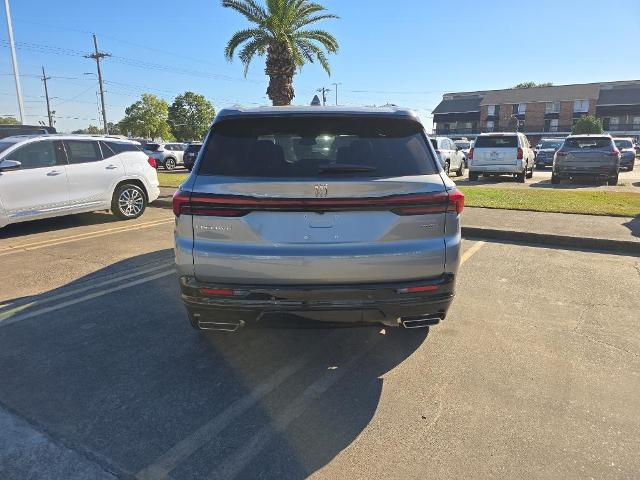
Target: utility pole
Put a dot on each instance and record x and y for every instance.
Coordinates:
(97, 56)
(324, 92)
(46, 94)
(16, 73)
(336, 87)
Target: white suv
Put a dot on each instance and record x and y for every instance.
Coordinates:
(501, 154)
(52, 175)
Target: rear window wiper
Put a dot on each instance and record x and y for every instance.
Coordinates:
(344, 168)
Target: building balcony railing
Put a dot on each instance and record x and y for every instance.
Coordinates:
(559, 129)
(622, 127)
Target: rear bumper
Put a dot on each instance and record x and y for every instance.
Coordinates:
(596, 172)
(627, 161)
(358, 303)
(514, 168)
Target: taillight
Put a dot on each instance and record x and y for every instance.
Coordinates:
(560, 153)
(520, 154)
(152, 162)
(237, 206)
(456, 201)
(614, 153)
(470, 156)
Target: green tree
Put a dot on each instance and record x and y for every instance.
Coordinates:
(279, 32)
(190, 115)
(587, 124)
(8, 121)
(90, 130)
(114, 128)
(533, 84)
(147, 118)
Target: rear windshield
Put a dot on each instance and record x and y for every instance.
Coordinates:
(587, 142)
(463, 145)
(624, 144)
(498, 141)
(151, 147)
(309, 147)
(193, 148)
(551, 144)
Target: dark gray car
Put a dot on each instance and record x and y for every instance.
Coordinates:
(332, 214)
(593, 157)
(627, 153)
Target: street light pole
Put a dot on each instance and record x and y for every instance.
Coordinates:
(14, 61)
(336, 86)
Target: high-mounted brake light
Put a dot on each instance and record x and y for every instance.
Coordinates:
(152, 162)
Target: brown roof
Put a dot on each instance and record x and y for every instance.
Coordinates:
(557, 93)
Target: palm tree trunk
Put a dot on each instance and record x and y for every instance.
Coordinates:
(280, 68)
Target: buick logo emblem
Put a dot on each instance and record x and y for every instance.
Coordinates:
(322, 189)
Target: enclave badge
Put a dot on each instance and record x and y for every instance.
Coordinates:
(322, 190)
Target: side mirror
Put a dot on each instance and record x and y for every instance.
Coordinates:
(7, 165)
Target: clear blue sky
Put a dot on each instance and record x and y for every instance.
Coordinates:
(406, 52)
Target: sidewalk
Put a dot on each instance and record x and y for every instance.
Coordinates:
(619, 234)
(613, 234)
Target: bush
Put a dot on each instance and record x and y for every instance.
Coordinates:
(587, 124)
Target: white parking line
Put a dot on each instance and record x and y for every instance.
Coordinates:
(58, 306)
(76, 291)
(234, 464)
(162, 467)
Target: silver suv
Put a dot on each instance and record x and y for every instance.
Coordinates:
(333, 214)
(594, 157)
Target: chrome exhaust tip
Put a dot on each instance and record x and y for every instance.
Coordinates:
(420, 322)
(220, 326)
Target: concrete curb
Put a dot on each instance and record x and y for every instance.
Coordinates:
(628, 247)
(547, 239)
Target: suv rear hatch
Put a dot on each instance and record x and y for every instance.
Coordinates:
(587, 154)
(317, 200)
(495, 150)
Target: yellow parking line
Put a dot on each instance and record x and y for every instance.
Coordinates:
(471, 252)
(82, 236)
(121, 227)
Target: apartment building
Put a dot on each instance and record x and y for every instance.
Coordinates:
(540, 111)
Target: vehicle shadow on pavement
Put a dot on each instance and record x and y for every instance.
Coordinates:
(634, 226)
(117, 374)
(53, 224)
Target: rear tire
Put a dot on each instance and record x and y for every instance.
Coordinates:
(554, 179)
(530, 174)
(447, 168)
(460, 170)
(613, 180)
(129, 201)
(521, 177)
(170, 163)
(630, 169)
(473, 176)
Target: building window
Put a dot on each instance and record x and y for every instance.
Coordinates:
(522, 108)
(489, 125)
(605, 123)
(551, 125)
(491, 110)
(581, 106)
(552, 107)
(613, 123)
(636, 123)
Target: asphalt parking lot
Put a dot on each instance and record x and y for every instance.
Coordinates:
(534, 374)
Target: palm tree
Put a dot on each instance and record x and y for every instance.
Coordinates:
(279, 33)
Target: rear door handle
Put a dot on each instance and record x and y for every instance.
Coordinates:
(111, 167)
(53, 173)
